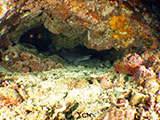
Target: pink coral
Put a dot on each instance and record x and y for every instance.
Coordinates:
(130, 64)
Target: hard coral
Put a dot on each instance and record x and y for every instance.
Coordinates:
(145, 68)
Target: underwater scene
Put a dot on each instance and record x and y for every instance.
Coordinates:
(79, 60)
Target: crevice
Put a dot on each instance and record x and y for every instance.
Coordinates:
(42, 40)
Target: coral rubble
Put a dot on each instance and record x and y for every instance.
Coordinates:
(14, 59)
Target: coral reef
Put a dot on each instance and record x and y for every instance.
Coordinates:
(144, 68)
(32, 87)
(102, 24)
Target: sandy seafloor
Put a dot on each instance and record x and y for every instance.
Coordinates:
(70, 93)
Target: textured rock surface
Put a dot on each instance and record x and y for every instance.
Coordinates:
(63, 93)
(102, 24)
(17, 60)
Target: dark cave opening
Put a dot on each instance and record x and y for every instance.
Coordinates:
(41, 39)
(38, 37)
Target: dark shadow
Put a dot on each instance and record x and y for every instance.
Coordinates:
(41, 39)
(38, 37)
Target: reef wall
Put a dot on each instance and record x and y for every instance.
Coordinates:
(131, 26)
(102, 24)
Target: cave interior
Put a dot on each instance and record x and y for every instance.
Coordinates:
(43, 41)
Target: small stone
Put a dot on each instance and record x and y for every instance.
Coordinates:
(136, 98)
(106, 83)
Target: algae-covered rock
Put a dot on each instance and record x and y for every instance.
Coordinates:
(103, 25)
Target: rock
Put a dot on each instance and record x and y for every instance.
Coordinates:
(102, 25)
(136, 98)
